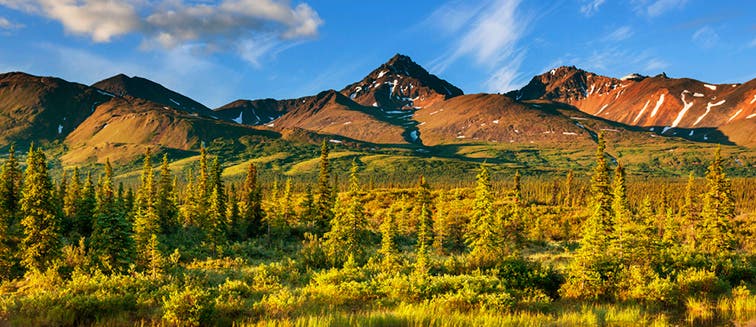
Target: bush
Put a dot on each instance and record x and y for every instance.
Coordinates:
(191, 306)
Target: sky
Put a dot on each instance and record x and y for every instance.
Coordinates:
(217, 51)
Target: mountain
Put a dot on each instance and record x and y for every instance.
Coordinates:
(495, 118)
(400, 83)
(669, 106)
(35, 109)
(138, 87)
(122, 128)
(377, 109)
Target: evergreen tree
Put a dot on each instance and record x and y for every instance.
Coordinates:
(424, 198)
(625, 239)
(233, 217)
(11, 181)
(517, 189)
(154, 255)
(146, 220)
(73, 197)
(441, 226)
(591, 271)
(41, 243)
(112, 241)
(568, 184)
(85, 208)
(216, 226)
(348, 225)
(483, 233)
(325, 193)
(252, 212)
(388, 251)
(689, 212)
(716, 236)
(423, 241)
(308, 210)
(165, 202)
(10, 194)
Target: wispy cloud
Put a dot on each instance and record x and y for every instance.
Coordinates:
(705, 37)
(617, 61)
(5, 24)
(490, 35)
(590, 7)
(654, 8)
(173, 24)
(619, 34)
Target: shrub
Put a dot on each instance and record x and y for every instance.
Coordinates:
(191, 306)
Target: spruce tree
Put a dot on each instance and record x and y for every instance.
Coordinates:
(388, 251)
(568, 192)
(483, 233)
(41, 242)
(325, 192)
(165, 202)
(309, 212)
(85, 208)
(71, 201)
(517, 189)
(423, 241)
(216, 227)
(146, 219)
(626, 229)
(252, 212)
(715, 232)
(11, 181)
(348, 225)
(111, 241)
(689, 214)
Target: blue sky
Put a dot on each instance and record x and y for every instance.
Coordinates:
(217, 51)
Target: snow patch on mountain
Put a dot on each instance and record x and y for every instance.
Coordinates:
(735, 115)
(239, 120)
(710, 87)
(658, 105)
(637, 118)
(685, 108)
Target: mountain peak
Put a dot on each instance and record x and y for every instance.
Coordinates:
(139, 87)
(400, 84)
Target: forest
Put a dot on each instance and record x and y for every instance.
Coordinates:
(198, 249)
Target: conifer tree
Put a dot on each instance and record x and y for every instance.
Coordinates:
(112, 240)
(41, 242)
(388, 251)
(308, 210)
(11, 181)
(165, 202)
(689, 212)
(568, 184)
(85, 208)
(517, 189)
(10, 193)
(423, 241)
(589, 276)
(424, 198)
(216, 224)
(483, 233)
(626, 229)
(252, 212)
(233, 218)
(348, 225)
(73, 197)
(60, 195)
(155, 257)
(326, 194)
(715, 231)
(146, 220)
(441, 226)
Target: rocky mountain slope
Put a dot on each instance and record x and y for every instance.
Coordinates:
(669, 106)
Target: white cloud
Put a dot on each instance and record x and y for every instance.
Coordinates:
(490, 36)
(706, 37)
(591, 7)
(619, 34)
(5, 24)
(168, 24)
(656, 8)
(617, 61)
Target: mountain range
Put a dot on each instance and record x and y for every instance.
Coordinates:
(399, 104)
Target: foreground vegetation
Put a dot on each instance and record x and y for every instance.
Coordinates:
(202, 250)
